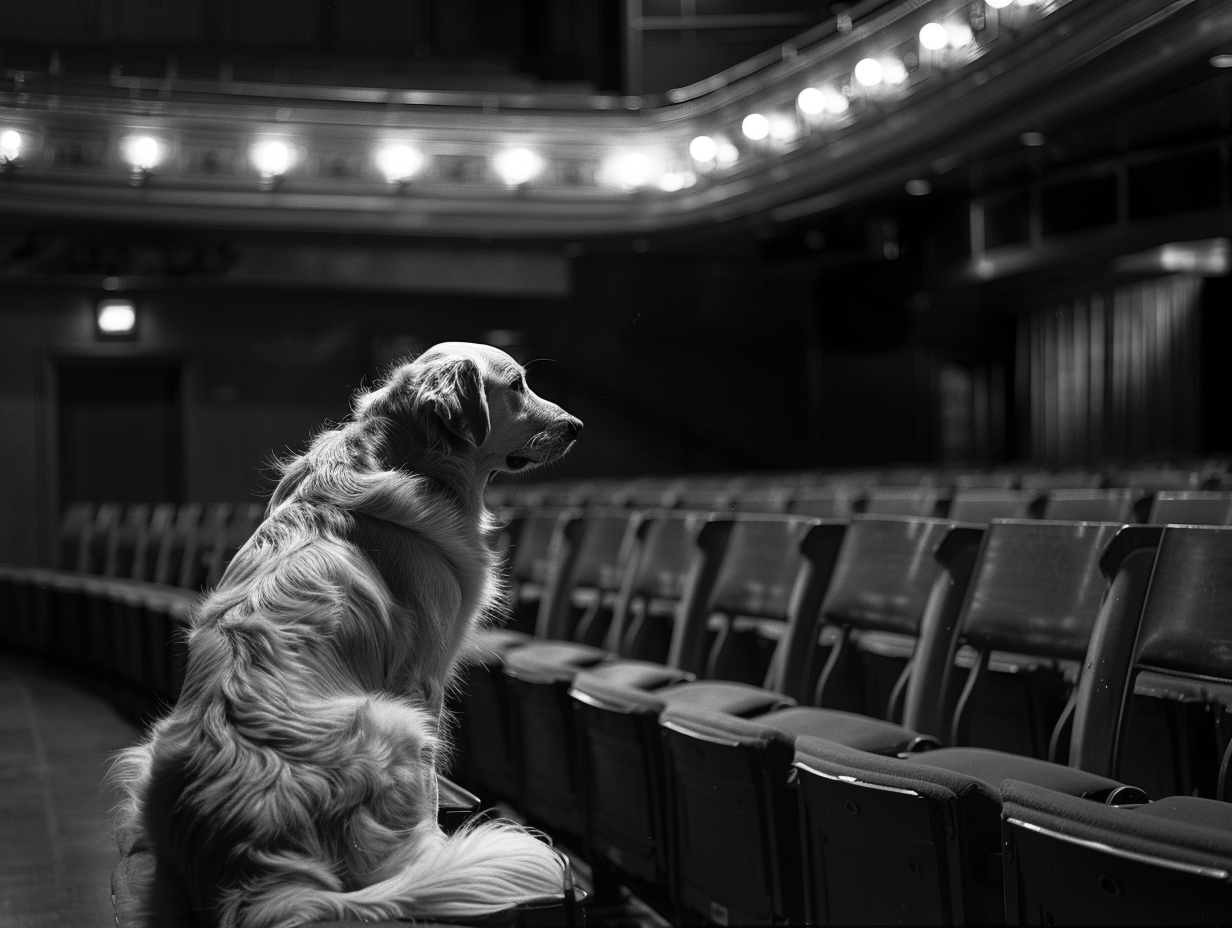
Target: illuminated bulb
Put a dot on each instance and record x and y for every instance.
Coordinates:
(142, 152)
(631, 169)
(399, 163)
(116, 317)
(782, 128)
(960, 34)
(10, 144)
(895, 71)
(728, 153)
(836, 103)
(934, 36)
(999, 4)
(677, 181)
(271, 158)
(919, 187)
(755, 126)
(1218, 61)
(869, 72)
(703, 149)
(811, 101)
(517, 165)
(1032, 139)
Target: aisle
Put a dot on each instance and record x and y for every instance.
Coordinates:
(56, 848)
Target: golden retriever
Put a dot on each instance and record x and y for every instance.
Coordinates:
(295, 780)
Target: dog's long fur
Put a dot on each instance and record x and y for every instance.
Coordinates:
(295, 780)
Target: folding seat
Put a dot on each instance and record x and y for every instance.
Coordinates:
(736, 852)
(123, 540)
(980, 505)
(1061, 480)
(92, 553)
(1152, 479)
(541, 542)
(906, 501)
(75, 524)
(1191, 507)
(915, 838)
(239, 528)
(203, 545)
(1069, 861)
(1120, 505)
(825, 502)
(753, 574)
(149, 543)
(707, 496)
(175, 542)
(996, 480)
(907, 477)
(1167, 862)
(767, 498)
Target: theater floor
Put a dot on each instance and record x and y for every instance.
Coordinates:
(56, 847)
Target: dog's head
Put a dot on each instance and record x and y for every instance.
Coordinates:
(475, 400)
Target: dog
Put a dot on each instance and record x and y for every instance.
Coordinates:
(295, 779)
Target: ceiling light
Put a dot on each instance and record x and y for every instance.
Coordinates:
(782, 128)
(1221, 61)
(811, 101)
(271, 158)
(960, 34)
(728, 153)
(10, 145)
(836, 103)
(999, 4)
(677, 181)
(517, 166)
(919, 187)
(1032, 139)
(399, 163)
(142, 152)
(629, 169)
(755, 126)
(934, 36)
(869, 72)
(703, 149)
(116, 317)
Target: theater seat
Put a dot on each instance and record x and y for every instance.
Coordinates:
(1123, 505)
(1191, 507)
(1069, 861)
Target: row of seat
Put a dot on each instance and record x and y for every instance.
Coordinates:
(765, 718)
(188, 545)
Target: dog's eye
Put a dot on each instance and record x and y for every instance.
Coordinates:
(519, 385)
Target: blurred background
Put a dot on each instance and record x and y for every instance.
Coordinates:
(731, 236)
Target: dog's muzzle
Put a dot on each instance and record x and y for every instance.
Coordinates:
(550, 444)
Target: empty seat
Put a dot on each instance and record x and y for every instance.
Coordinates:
(75, 526)
(175, 542)
(984, 505)
(203, 545)
(1159, 478)
(906, 501)
(825, 502)
(149, 543)
(125, 536)
(770, 498)
(913, 839)
(1191, 507)
(92, 554)
(1123, 505)
(1061, 480)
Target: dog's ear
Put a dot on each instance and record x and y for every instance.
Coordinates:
(455, 391)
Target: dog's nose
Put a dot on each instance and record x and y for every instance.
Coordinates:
(572, 428)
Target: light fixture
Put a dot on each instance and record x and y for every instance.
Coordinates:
(869, 72)
(677, 180)
(755, 126)
(271, 158)
(115, 319)
(999, 4)
(629, 169)
(1221, 61)
(399, 162)
(836, 103)
(782, 128)
(959, 35)
(811, 101)
(517, 166)
(1032, 139)
(893, 71)
(934, 36)
(728, 154)
(10, 145)
(918, 187)
(703, 149)
(142, 152)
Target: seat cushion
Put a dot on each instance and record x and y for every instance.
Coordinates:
(737, 699)
(541, 661)
(642, 675)
(490, 645)
(627, 690)
(847, 728)
(1193, 810)
(994, 766)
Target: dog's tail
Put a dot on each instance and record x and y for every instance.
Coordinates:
(476, 871)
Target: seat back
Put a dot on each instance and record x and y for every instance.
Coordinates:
(1191, 507)
(150, 542)
(584, 596)
(905, 501)
(177, 540)
(1159, 478)
(122, 542)
(825, 502)
(1034, 597)
(769, 498)
(1172, 734)
(1061, 480)
(1122, 505)
(982, 505)
(75, 525)
(748, 606)
(878, 593)
(203, 545)
(541, 543)
(92, 554)
(1070, 861)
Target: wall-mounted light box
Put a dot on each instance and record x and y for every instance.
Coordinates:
(115, 320)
